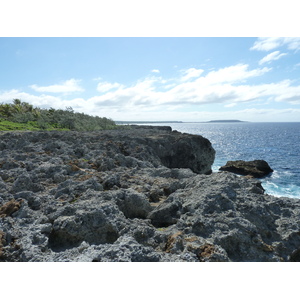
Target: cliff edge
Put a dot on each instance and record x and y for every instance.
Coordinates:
(141, 194)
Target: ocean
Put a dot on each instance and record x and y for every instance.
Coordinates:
(276, 143)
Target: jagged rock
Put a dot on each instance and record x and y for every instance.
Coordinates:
(184, 151)
(134, 204)
(164, 128)
(166, 213)
(255, 168)
(9, 208)
(2, 185)
(2, 242)
(126, 248)
(134, 195)
(95, 224)
(34, 202)
(72, 190)
(25, 183)
(222, 209)
(111, 181)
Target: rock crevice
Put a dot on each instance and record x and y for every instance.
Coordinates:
(142, 194)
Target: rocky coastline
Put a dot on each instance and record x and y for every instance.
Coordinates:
(142, 194)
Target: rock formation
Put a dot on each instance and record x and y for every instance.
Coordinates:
(255, 168)
(134, 195)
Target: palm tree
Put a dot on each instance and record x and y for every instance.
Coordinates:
(6, 110)
(16, 106)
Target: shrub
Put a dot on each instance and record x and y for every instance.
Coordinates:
(22, 112)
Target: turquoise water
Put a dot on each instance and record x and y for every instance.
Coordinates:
(277, 143)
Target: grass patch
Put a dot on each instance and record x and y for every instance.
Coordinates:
(8, 126)
(29, 126)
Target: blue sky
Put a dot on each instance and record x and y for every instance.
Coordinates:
(155, 79)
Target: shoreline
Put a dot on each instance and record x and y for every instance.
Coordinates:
(143, 194)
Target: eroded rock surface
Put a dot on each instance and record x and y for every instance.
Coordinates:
(134, 195)
(255, 168)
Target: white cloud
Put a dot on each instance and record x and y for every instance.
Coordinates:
(155, 71)
(225, 85)
(191, 73)
(232, 74)
(69, 86)
(157, 98)
(270, 43)
(106, 86)
(272, 56)
(285, 92)
(219, 86)
(42, 101)
(266, 44)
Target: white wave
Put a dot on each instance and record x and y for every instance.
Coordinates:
(290, 191)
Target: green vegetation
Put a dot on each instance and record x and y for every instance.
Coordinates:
(23, 116)
(7, 125)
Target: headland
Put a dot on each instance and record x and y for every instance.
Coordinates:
(138, 193)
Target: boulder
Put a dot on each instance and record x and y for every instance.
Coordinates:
(134, 204)
(255, 168)
(177, 150)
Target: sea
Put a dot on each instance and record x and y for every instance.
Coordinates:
(276, 143)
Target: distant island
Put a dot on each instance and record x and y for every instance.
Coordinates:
(225, 121)
(159, 122)
(145, 122)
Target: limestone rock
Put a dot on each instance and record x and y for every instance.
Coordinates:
(184, 151)
(255, 168)
(139, 194)
(166, 213)
(134, 204)
(2, 242)
(9, 208)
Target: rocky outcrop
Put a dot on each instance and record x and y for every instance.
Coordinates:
(9, 208)
(255, 168)
(114, 196)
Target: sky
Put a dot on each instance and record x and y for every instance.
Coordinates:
(191, 79)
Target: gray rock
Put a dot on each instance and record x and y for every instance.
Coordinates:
(222, 209)
(166, 213)
(134, 204)
(93, 222)
(25, 183)
(255, 168)
(72, 190)
(134, 195)
(184, 151)
(2, 185)
(34, 202)
(127, 249)
(111, 181)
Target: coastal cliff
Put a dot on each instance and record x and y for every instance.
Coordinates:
(138, 194)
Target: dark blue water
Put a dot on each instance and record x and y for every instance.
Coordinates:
(277, 143)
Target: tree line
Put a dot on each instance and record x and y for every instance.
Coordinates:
(48, 119)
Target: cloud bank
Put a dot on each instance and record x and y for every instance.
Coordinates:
(190, 95)
(69, 86)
